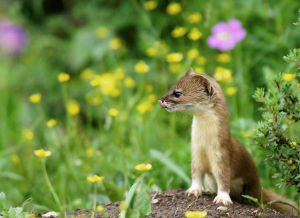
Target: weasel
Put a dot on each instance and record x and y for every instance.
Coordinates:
(216, 155)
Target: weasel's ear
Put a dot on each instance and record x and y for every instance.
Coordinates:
(208, 88)
(189, 72)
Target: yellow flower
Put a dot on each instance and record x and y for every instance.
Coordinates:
(144, 107)
(178, 31)
(35, 98)
(195, 18)
(27, 134)
(290, 161)
(293, 144)
(102, 32)
(152, 98)
(73, 107)
(195, 214)
(293, 167)
(194, 34)
(175, 67)
(119, 73)
(87, 74)
(15, 159)
(143, 167)
(174, 57)
(95, 178)
(201, 60)
(100, 208)
(173, 8)
(231, 91)
(151, 52)
(141, 67)
(113, 112)
(93, 99)
(41, 153)
(122, 206)
(51, 123)
(63, 77)
(192, 53)
(149, 88)
(150, 5)
(90, 152)
(108, 82)
(115, 43)
(223, 75)
(289, 77)
(129, 82)
(223, 58)
(198, 70)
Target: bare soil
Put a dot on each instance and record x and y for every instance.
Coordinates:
(174, 203)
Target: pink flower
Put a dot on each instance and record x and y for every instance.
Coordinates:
(226, 35)
(13, 38)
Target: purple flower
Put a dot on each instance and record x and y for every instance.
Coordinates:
(13, 38)
(226, 35)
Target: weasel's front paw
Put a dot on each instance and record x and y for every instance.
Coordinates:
(196, 191)
(223, 198)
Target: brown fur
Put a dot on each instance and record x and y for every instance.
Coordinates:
(215, 152)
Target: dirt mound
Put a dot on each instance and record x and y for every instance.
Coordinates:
(175, 203)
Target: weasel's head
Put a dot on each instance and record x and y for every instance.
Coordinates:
(192, 93)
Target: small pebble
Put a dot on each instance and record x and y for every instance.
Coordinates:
(50, 214)
(154, 201)
(222, 208)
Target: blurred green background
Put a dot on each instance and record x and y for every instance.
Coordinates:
(117, 54)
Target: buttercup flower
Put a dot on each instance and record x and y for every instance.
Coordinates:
(289, 77)
(195, 18)
(173, 8)
(15, 159)
(198, 70)
(129, 82)
(194, 34)
(13, 38)
(175, 67)
(193, 53)
(223, 58)
(151, 52)
(41, 153)
(201, 60)
(113, 112)
(174, 57)
(51, 123)
(178, 31)
(100, 208)
(108, 82)
(73, 107)
(226, 35)
(27, 134)
(141, 67)
(115, 43)
(144, 107)
(63, 77)
(223, 75)
(35, 98)
(95, 179)
(195, 214)
(231, 91)
(102, 32)
(150, 5)
(143, 167)
(87, 74)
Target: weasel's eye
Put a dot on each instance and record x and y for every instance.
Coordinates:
(177, 94)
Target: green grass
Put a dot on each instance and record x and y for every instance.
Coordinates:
(66, 41)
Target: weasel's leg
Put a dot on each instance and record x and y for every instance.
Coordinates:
(197, 179)
(221, 172)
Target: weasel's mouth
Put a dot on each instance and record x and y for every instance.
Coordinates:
(162, 104)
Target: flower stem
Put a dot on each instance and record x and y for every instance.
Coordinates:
(51, 187)
(94, 201)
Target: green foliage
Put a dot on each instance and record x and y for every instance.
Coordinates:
(11, 212)
(281, 114)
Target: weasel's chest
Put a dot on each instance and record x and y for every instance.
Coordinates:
(205, 140)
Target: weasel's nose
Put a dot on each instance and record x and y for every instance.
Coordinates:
(162, 104)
